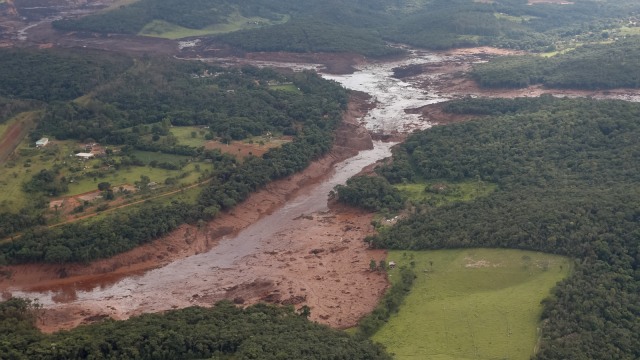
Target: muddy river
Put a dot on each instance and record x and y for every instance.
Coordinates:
(210, 275)
(299, 253)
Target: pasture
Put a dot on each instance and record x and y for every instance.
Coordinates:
(471, 303)
(84, 175)
(440, 193)
(235, 22)
(189, 135)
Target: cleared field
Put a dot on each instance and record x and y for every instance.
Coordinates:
(471, 303)
(440, 193)
(149, 156)
(256, 146)
(86, 175)
(285, 87)
(235, 22)
(629, 31)
(189, 135)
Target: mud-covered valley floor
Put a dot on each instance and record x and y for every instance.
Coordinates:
(318, 259)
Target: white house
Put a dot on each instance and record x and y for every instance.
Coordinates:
(42, 142)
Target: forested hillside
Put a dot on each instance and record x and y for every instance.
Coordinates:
(223, 332)
(568, 182)
(597, 66)
(363, 25)
(137, 109)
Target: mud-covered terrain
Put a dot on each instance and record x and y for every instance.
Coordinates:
(284, 244)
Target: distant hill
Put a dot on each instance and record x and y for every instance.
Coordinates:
(436, 24)
(599, 66)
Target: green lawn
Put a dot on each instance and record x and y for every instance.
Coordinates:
(471, 304)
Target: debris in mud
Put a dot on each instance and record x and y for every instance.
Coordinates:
(238, 300)
(294, 300)
(94, 318)
(304, 216)
(273, 298)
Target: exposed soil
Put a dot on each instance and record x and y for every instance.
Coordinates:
(242, 149)
(323, 262)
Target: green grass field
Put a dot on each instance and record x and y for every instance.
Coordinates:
(30, 161)
(235, 22)
(286, 87)
(149, 156)
(471, 304)
(629, 31)
(183, 134)
(441, 193)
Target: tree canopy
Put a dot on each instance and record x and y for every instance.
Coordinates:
(568, 175)
(223, 332)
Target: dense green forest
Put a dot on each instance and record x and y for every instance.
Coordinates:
(567, 175)
(223, 332)
(55, 75)
(362, 25)
(597, 66)
(136, 109)
(309, 35)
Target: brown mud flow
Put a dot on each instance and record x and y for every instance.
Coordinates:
(299, 253)
(294, 249)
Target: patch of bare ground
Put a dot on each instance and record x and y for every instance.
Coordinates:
(323, 262)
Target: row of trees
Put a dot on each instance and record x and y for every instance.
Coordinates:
(568, 180)
(599, 66)
(223, 332)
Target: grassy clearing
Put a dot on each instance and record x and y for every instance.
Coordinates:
(628, 31)
(440, 193)
(185, 176)
(235, 22)
(185, 135)
(286, 87)
(471, 303)
(118, 3)
(515, 19)
(21, 167)
(86, 175)
(149, 156)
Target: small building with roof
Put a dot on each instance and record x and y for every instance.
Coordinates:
(42, 142)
